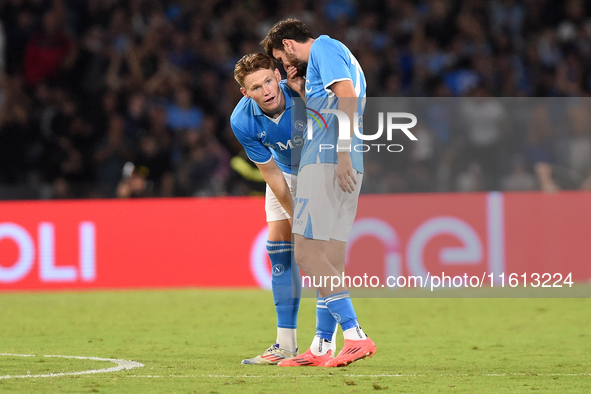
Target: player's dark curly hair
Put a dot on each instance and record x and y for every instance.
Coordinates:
(251, 63)
(291, 29)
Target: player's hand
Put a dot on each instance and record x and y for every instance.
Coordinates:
(295, 81)
(346, 173)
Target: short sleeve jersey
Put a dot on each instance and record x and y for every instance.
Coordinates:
(264, 138)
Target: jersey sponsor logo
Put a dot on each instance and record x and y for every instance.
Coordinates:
(290, 144)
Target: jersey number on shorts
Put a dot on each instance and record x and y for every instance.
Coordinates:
(304, 202)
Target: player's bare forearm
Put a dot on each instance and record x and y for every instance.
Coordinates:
(345, 91)
(281, 190)
(273, 176)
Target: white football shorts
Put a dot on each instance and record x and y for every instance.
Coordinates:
(322, 210)
(273, 207)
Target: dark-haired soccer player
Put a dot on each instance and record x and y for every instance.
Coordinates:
(329, 180)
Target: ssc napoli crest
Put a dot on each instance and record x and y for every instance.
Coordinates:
(278, 269)
(300, 125)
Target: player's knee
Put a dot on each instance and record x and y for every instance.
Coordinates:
(298, 254)
(302, 257)
(307, 257)
(279, 230)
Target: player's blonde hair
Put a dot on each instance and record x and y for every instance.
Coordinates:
(251, 63)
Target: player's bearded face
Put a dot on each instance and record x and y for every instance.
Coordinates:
(288, 58)
(263, 87)
(291, 58)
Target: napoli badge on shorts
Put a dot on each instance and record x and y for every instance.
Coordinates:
(278, 269)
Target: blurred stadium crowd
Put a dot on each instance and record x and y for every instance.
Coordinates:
(89, 85)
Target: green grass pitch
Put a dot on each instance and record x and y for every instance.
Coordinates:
(193, 341)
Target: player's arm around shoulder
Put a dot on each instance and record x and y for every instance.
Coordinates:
(273, 176)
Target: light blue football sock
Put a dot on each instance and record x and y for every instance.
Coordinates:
(325, 322)
(286, 283)
(341, 307)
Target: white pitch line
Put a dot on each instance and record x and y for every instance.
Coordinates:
(121, 365)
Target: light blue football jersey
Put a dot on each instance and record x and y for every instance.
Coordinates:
(330, 61)
(264, 138)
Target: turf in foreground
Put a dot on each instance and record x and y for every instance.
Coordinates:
(193, 341)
